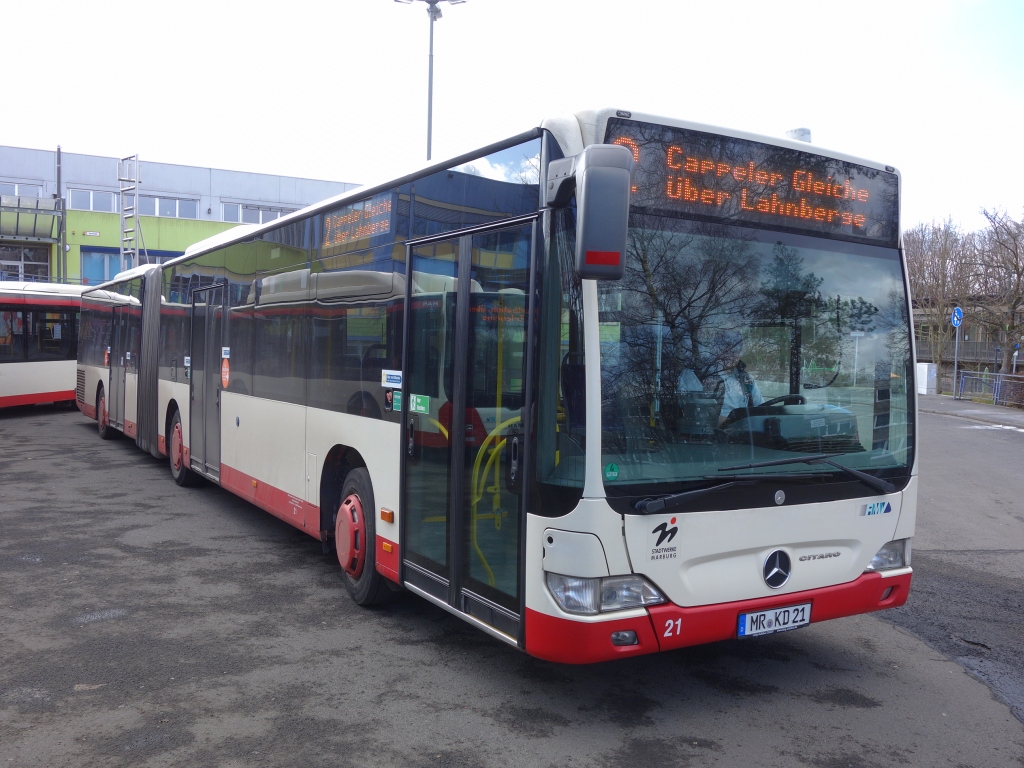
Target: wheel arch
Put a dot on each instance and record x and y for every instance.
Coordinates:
(340, 460)
(172, 408)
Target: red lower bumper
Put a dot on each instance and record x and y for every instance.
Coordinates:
(576, 642)
(37, 397)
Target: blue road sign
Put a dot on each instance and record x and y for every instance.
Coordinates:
(957, 318)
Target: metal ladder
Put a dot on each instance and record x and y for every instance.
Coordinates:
(131, 230)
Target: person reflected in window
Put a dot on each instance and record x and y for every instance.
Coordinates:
(739, 390)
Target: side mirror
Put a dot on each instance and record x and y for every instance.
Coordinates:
(600, 177)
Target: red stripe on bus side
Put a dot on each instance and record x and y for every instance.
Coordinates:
(161, 445)
(38, 397)
(41, 302)
(603, 258)
(88, 410)
(131, 429)
(387, 562)
(291, 509)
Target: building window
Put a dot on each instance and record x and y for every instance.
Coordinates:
(24, 262)
(89, 200)
(98, 266)
(103, 201)
(22, 190)
(168, 207)
(254, 214)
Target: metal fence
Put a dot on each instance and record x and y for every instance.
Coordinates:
(981, 352)
(995, 388)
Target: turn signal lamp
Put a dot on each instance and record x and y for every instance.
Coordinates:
(895, 554)
(589, 597)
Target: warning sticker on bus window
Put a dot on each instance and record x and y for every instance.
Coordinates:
(419, 403)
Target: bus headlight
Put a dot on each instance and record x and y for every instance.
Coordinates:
(612, 593)
(895, 554)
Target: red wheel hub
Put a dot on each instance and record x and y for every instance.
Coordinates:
(103, 412)
(176, 447)
(350, 536)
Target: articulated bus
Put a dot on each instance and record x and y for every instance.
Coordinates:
(617, 385)
(38, 342)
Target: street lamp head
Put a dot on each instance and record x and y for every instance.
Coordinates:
(432, 3)
(433, 13)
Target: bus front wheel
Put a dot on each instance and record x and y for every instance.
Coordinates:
(355, 541)
(182, 475)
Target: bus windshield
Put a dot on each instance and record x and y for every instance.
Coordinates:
(726, 345)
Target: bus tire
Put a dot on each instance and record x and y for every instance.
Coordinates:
(106, 431)
(182, 475)
(355, 541)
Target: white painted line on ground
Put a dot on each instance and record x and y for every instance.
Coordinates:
(994, 426)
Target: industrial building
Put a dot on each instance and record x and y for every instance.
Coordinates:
(83, 218)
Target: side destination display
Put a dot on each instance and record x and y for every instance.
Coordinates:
(704, 175)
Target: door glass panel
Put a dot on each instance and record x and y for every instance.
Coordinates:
(495, 379)
(197, 421)
(429, 407)
(212, 376)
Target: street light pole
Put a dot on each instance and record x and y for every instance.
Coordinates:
(434, 12)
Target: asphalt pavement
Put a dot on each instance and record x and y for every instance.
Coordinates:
(947, 405)
(145, 624)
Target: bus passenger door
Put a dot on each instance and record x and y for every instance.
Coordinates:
(205, 382)
(462, 400)
(118, 366)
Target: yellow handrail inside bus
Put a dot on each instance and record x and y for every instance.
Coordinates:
(440, 426)
(476, 493)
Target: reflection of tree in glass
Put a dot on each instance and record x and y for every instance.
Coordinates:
(789, 297)
(682, 300)
(892, 319)
(862, 315)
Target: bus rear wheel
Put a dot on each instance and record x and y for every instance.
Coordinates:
(182, 475)
(103, 418)
(355, 541)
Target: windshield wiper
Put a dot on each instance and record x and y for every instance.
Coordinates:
(654, 506)
(875, 483)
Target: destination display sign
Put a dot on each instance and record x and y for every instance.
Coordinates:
(706, 175)
(358, 221)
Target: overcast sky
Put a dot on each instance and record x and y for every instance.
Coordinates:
(338, 89)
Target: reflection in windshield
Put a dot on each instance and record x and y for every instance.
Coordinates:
(726, 345)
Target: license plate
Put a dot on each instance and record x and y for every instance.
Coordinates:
(774, 620)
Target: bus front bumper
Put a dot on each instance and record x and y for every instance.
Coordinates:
(671, 626)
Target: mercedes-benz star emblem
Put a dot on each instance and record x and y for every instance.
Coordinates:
(777, 568)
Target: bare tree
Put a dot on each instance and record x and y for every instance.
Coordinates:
(1001, 279)
(942, 267)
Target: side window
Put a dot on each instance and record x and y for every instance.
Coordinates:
(12, 336)
(281, 289)
(51, 335)
(486, 189)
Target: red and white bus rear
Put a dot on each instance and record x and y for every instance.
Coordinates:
(38, 342)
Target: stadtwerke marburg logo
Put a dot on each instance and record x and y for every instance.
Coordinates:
(660, 540)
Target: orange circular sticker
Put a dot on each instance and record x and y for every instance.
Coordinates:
(225, 372)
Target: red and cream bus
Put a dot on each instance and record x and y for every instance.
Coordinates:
(477, 384)
(38, 342)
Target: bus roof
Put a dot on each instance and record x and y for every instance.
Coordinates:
(573, 132)
(40, 289)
